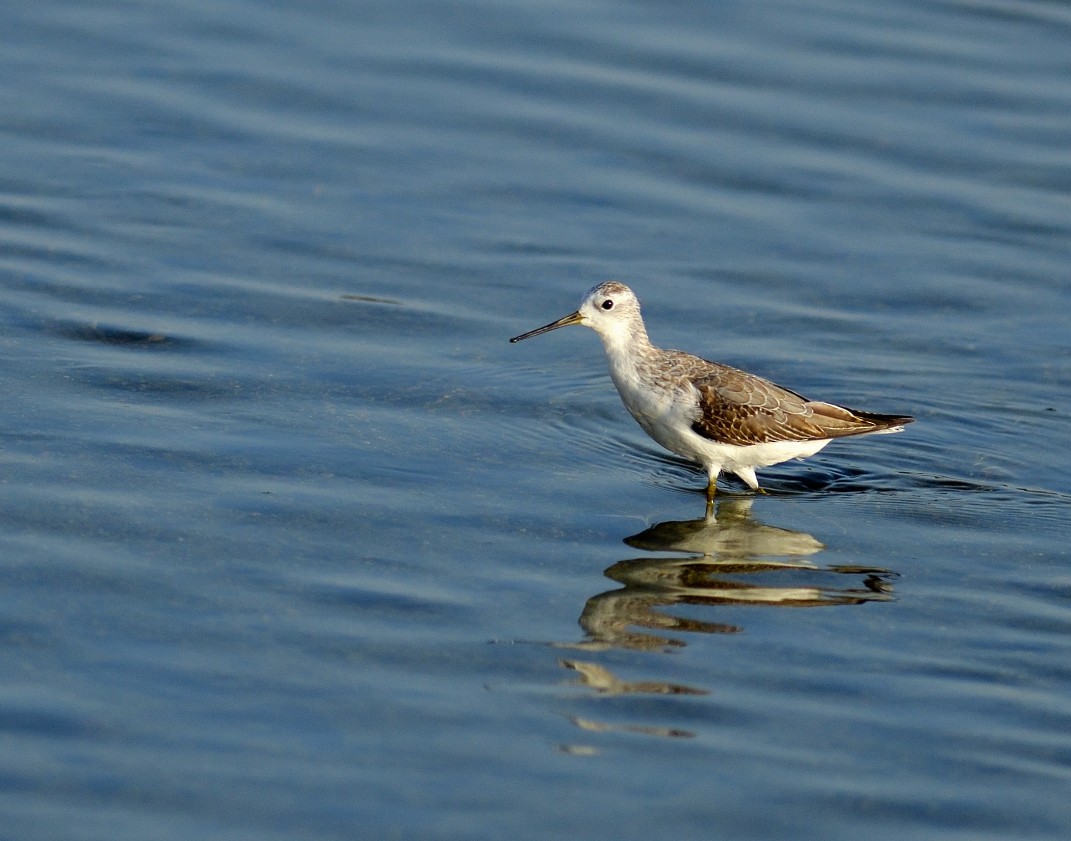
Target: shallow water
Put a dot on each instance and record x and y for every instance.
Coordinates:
(294, 544)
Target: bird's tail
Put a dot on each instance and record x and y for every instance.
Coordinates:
(884, 424)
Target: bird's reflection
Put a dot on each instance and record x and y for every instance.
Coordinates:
(732, 559)
(604, 682)
(728, 532)
(724, 561)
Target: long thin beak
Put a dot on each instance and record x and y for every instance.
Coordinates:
(574, 318)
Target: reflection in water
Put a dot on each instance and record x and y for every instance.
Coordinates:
(732, 560)
(729, 551)
(728, 533)
(605, 682)
(601, 727)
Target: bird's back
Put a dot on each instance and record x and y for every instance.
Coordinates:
(736, 407)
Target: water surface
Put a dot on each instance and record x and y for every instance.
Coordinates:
(294, 544)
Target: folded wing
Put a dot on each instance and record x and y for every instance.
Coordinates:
(739, 408)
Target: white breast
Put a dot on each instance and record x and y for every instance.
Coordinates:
(666, 411)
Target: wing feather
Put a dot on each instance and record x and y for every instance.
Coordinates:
(739, 408)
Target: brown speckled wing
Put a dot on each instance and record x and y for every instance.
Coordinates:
(742, 409)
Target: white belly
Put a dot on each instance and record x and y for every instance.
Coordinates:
(730, 456)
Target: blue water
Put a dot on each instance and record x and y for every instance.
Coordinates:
(293, 544)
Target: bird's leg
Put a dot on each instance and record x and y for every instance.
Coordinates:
(750, 479)
(712, 489)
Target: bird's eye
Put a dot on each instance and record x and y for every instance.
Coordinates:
(607, 304)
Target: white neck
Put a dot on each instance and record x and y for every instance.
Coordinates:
(625, 344)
